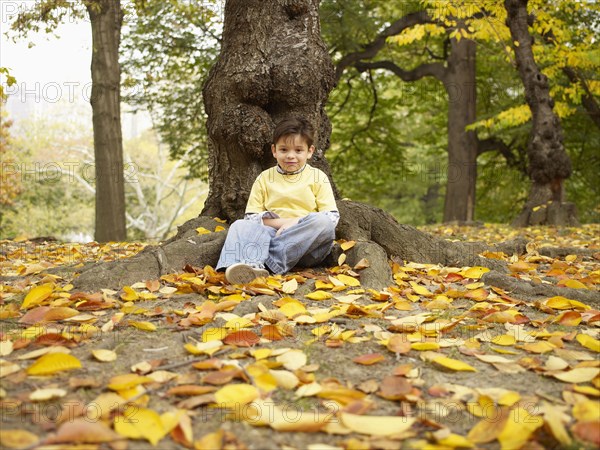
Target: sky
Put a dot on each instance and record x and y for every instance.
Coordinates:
(48, 69)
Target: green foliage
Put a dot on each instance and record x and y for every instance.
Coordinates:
(166, 53)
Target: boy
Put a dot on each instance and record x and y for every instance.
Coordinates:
(291, 213)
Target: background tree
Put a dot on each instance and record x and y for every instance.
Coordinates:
(10, 183)
(106, 19)
(165, 76)
(549, 164)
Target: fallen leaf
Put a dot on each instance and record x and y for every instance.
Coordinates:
(37, 295)
(243, 338)
(376, 425)
(17, 439)
(235, 395)
(140, 423)
(369, 359)
(453, 364)
(588, 342)
(83, 430)
(579, 375)
(518, 429)
(293, 359)
(52, 363)
(104, 355)
(42, 395)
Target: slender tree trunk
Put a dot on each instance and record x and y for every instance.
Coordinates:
(460, 85)
(106, 19)
(272, 64)
(549, 164)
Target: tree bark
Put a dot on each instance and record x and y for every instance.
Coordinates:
(273, 64)
(460, 85)
(106, 19)
(549, 164)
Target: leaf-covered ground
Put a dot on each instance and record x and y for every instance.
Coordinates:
(308, 360)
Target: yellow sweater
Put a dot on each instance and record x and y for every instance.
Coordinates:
(291, 195)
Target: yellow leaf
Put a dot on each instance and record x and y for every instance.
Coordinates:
(578, 375)
(504, 339)
(130, 295)
(518, 429)
(474, 272)
(15, 438)
(52, 363)
(37, 295)
(453, 364)
(376, 425)
(423, 346)
(348, 281)
(587, 411)
(214, 334)
(319, 295)
(559, 302)
(554, 421)
(219, 228)
(588, 342)
(571, 258)
(212, 441)
(145, 326)
(202, 230)
(235, 395)
(239, 322)
(341, 259)
(140, 423)
(421, 290)
(292, 359)
(104, 355)
(587, 390)
(347, 245)
(127, 381)
(292, 309)
(455, 441)
(574, 284)
(289, 287)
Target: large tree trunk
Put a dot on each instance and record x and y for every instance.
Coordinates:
(273, 64)
(549, 164)
(106, 19)
(460, 85)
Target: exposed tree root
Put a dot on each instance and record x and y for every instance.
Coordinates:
(187, 247)
(379, 237)
(528, 290)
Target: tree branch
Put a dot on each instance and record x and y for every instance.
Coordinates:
(436, 70)
(588, 101)
(506, 150)
(371, 49)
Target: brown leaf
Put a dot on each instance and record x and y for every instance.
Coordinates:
(394, 388)
(220, 377)
(587, 431)
(242, 338)
(398, 343)
(82, 430)
(271, 332)
(369, 359)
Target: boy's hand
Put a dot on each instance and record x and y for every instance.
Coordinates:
(287, 224)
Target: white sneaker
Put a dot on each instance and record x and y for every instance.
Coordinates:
(240, 273)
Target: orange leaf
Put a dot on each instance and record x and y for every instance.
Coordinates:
(588, 432)
(394, 388)
(243, 338)
(369, 359)
(271, 332)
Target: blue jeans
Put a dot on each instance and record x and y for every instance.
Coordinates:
(305, 244)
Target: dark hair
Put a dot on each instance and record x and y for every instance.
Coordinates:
(294, 125)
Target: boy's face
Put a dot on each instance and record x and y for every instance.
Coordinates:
(291, 152)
